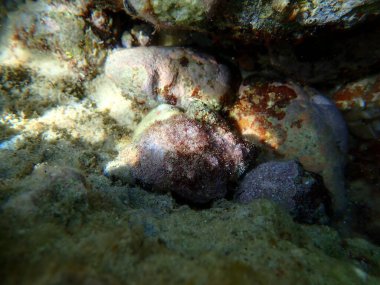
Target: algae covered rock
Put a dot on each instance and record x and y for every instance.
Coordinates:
(360, 104)
(54, 27)
(172, 152)
(247, 20)
(172, 13)
(177, 76)
(276, 18)
(285, 120)
(51, 193)
(39, 29)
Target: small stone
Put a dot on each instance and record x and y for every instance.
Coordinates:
(177, 76)
(286, 121)
(181, 155)
(142, 34)
(286, 184)
(127, 39)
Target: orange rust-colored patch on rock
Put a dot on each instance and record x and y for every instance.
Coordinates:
(345, 98)
(195, 92)
(262, 130)
(268, 99)
(165, 92)
(258, 109)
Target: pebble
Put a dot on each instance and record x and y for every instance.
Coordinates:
(285, 183)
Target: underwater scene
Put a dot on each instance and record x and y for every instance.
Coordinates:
(190, 142)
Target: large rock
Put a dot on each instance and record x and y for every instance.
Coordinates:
(51, 193)
(172, 152)
(37, 30)
(249, 19)
(295, 123)
(177, 76)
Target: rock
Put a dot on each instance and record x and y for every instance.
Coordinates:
(53, 192)
(247, 20)
(295, 18)
(285, 183)
(40, 28)
(142, 34)
(360, 103)
(127, 39)
(286, 121)
(160, 113)
(332, 117)
(187, 14)
(176, 76)
(176, 153)
(54, 27)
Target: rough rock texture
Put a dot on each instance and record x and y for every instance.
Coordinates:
(278, 17)
(187, 14)
(360, 103)
(153, 240)
(175, 76)
(179, 154)
(286, 184)
(57, 193)
(248, 19)
(56, 28)
(285, 120)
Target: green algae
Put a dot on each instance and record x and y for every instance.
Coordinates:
(144, 242)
